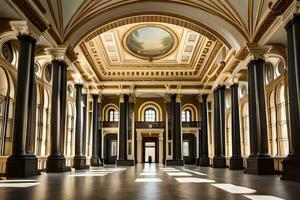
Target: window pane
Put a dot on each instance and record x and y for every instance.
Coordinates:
(113, 148)
(188, 115)
(111, 115)
(185, 145)
(183, 116)
(150, 115)
(116, 116)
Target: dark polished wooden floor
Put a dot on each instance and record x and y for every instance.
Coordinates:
(150, 182)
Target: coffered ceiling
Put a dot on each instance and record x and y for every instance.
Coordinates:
(110, 58)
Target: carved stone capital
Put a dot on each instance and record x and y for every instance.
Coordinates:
(19, 27)
(257, 52)
(178, 98)
(57, 53)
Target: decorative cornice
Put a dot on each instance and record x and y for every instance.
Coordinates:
(276, 10)
(70, 53)
(31, 14)
(57, 53)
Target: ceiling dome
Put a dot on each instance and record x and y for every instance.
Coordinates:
(150, 42)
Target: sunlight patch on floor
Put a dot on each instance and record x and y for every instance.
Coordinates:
(234, 189)
(17, 183)
(148, 180)
(194, 180)
(262, 197)
(179, 174)
(195, 172)
(148, 174)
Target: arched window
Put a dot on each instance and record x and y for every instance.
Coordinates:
(150, 115)
(186, 115)
(228, 137)
(272, 124)
(7, 104)
(245, 133)
(113, 115)
(282, 124)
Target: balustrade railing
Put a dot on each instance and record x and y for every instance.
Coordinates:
(192, 124)
(150, 125)
(108, 124)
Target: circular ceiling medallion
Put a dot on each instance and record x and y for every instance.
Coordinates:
(150, 42)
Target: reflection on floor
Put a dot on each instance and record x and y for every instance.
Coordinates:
(150, 182)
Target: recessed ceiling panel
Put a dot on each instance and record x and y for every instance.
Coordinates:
(150, 42)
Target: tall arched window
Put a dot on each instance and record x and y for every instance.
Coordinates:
(7, 104)
(272, 125)
(186, 115)
(228, 138)
(245, 133)
(70, 130)
(150, 115)
(113, 115)
(282, 124)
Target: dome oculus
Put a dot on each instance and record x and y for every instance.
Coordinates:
(150, 42)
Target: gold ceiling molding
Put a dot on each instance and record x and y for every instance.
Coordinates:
(153, 19)
(90, 60)
(70, 53)
(93, 57)
(31, 14)
(251, 20)
(276, 11)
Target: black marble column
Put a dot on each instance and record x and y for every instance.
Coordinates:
(236, 160)
(79, 159)
(203, 138)
(31, 124)
(259, 161)
(63, 104)
(84, 116)
(20, 164)
(291, 164)
(219, 160)
(123, 133)
(95, 160)
(176, 126)
(56, 162)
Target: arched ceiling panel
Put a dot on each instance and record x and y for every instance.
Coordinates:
(236, 20)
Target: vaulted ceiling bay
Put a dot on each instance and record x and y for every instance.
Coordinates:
(206, 41)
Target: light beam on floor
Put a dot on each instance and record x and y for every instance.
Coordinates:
(234, 189)
(193, 180)
(148, 180)
(195, 172)
(262, 197)
(179, 174)
(148, 174)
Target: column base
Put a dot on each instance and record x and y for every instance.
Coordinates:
(291, 169)
(79, 162)
(260, 166)
(95, 162)
(57, 164)
(203, 162)
(174, 162)
(219, 162)
(22, 166)
(125, 163)
(236, 163)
